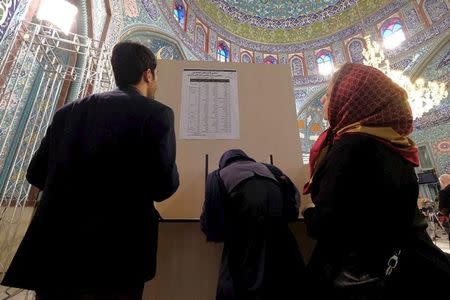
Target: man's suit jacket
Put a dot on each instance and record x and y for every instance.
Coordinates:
(102, 163)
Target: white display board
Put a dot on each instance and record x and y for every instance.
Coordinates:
(262, 115)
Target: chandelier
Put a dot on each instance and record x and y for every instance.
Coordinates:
(422, 95)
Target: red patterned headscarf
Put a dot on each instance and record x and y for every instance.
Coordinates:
(363, 100)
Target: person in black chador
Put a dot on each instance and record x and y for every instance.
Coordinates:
(102, 163)
(371, 237)
(248, 206)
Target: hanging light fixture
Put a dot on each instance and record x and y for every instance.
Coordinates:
(422, 95)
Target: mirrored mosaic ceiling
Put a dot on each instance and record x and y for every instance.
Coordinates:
(269, 21)
(274, 14)
(276, 9)
(422, 21)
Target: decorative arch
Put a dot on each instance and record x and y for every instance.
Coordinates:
(246, 57)
(297, 66)
(201, 37)
(325, 64)
(270, 60)
(355, 50)
(223, 51)
(435, 9)
(162, 45)
(392, 32)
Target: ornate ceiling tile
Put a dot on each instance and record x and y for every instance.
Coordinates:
(285, 14)
(7, 10)
(345, 16)
(287, 46)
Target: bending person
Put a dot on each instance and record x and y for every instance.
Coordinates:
(248, 206)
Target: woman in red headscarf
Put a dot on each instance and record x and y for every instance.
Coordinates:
(364, 192)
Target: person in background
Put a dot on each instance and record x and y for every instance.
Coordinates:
(444, 201)
(103, 162)
(371, 238)
(248, 206)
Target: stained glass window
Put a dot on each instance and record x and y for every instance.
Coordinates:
(270, 60)
(392, 33)
(325, 62)
(223, 52)
(179, 12)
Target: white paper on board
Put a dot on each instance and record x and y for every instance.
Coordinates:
(209, 104)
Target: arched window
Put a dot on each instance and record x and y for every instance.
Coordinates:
(200, 37)
(246, 58)
(223, 52)
(392, 33)
(179, 12)
(297, 66)
(325, 62)
(355, 50)
(270, 60)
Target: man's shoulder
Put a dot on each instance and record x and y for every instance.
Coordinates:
(64, 109)
(135, 98)
(131, 99)
(155, 104)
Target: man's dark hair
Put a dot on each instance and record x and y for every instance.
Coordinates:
(129, 60)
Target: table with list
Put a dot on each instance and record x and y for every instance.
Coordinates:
(209, 104)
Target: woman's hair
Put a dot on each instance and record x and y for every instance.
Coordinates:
(444, 180)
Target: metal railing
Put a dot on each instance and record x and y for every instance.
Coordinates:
(39, 62)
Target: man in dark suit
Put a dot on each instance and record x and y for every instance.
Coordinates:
(102, 163)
